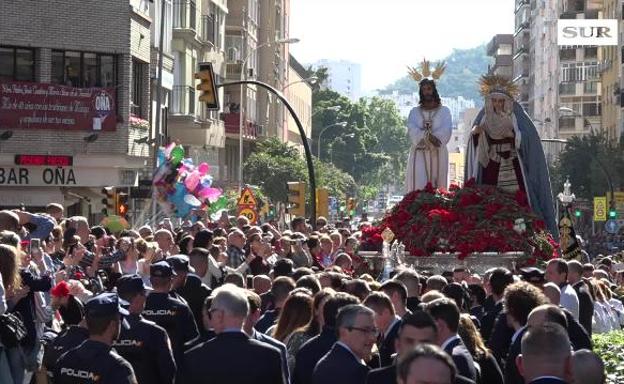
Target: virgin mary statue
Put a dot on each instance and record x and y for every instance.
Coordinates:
(504, 149)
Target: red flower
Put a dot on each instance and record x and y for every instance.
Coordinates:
(429, 188)
(492, 209)
(521, 198)
(402, 217)
(444, 215)
(454, 187)
(60, 290)
(470, 183)
(409, 198)
(539, 225)
(469, 199)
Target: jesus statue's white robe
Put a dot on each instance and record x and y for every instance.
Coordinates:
(424, 166)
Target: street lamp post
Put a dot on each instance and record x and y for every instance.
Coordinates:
(240, 110)
(318, 144)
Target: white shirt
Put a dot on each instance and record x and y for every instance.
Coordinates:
(569, 300)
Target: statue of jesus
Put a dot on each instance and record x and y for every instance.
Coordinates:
(430, 127)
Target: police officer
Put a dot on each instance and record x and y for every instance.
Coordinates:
(69, 338)
(171, 314)
(143, 343)
(189, 287)
(94, 361)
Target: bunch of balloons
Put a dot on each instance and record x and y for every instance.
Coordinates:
(181, 187)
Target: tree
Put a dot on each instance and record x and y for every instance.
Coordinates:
(274, 163)
(321, 73)
(589, 162)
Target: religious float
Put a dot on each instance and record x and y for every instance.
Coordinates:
(502, 216)
(477, 226)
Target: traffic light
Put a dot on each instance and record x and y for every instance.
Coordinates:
(108, 201)
(296, 198)
(208, 86)
(322, 202)
(577, 213)
(271, 210)
(612, 214)
(121, 205)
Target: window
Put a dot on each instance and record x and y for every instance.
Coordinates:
(591, 109)
(136, 101)
(590, 87)
(17, 64)
(83, 69)
(567, 88)
(591, 53)
(566, 123)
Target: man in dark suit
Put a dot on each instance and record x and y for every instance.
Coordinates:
(520, 299)
(411, 280)
(586, 303)
(415, 328)
(427, 363)
(397, 292)
(190, 287)
(546, 355)
(499, 279)
(559, 315)
(232, 357)
(311, 352)
(255, 302)
(446, 315)
(345, 363)
(387, 322)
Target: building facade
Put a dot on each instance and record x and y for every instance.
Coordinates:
(299, 94)
(241, 59)
(611, 75)
(522, 51)
(273, 67)
(500, 48)
(580, 89)
(198, 37)
(76, 98)
(344, 77)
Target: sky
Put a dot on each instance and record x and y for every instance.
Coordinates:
(385, 36)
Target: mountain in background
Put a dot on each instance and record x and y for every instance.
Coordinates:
(463, 69)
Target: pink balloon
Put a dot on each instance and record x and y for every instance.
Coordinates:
(212, 194)
(203, 168)
(191, 181)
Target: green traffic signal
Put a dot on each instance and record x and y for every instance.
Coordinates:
(577, 213)
(612, 214)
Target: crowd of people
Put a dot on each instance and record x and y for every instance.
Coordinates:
(231, 302)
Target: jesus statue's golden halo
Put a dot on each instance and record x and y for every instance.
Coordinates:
(426, 72)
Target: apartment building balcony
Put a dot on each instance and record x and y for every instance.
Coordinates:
(208, 32)
(251, 130)
(209, 132)
(183, 102)
(185, 17)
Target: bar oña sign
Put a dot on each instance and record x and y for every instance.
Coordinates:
(51, 106)
(58, 177)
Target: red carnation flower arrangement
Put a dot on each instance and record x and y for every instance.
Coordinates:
(475, 218)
